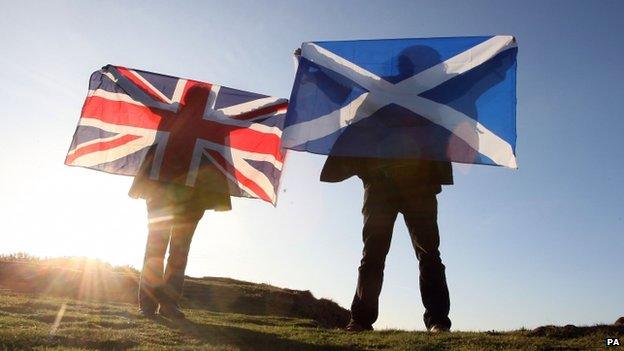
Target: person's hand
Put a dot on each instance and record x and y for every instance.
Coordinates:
(297, 52)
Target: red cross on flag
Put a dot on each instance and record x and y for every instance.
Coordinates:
(186, 123)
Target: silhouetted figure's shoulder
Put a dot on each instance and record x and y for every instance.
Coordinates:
(339, 168)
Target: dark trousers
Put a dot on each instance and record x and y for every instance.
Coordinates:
(383, 199)
(169, 226)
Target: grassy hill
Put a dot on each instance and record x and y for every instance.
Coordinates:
(86, 279)
(85, 304)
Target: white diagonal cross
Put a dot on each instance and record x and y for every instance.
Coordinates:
(405, 93)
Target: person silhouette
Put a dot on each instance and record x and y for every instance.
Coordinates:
(408, 185)
(174, 210)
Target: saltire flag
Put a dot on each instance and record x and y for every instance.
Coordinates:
(186, 123)
(439, 99)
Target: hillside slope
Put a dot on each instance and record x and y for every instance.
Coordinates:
(91, 280)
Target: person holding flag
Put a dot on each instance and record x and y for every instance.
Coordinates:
(190, 145)
(395, 113)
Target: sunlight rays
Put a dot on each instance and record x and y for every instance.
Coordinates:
(57, 320)
(79, 278)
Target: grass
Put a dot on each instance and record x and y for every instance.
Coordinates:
(81, 304)
(35, 322)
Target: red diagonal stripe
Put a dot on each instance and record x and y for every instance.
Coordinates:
(133, 78)
(101, 146)
(253, 141)
(262, 111)
(253, 186)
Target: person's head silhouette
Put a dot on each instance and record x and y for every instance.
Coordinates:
(415, 59)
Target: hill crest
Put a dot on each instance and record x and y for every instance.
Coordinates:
(85, 279)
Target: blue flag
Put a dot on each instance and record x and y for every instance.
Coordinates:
(448, 99)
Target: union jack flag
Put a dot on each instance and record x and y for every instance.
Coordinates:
(186, 123)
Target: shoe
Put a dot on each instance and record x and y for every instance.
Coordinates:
(172, 312)
(436, 328)
(147, 313)
(355, 327)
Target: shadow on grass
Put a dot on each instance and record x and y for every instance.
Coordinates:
(243, 339)
(63, 342)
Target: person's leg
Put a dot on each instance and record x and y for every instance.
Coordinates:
(181, 236)
(379, 216)
(159, 226)
(420, 213)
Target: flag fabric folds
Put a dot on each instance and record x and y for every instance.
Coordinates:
(448, 99)
(186, 124)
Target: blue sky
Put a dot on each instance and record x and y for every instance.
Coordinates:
(538, 245)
